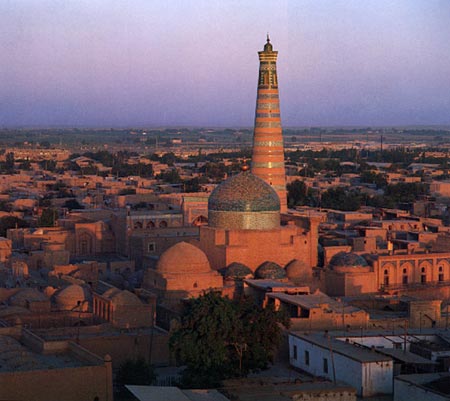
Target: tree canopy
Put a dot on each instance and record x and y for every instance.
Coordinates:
(219, 338)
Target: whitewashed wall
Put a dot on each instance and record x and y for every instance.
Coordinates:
(367, 378)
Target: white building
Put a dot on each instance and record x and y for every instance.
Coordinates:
(367, 371)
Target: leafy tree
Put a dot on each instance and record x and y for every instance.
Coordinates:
(72, 204)
(25, 165)
(219, 338)
(298, 193)
(8, 222)
(137, 372)
(170, 176)
(49, 165)
(45, 144)
(48, 217)
(341, 199)
(373, 178)
(169, 158)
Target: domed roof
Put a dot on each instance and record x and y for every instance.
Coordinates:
(27, 294)
(244, 192)
(237, 270)
(347, 259)
(183, 258)
(69, 297)
(109, 293)
(125, 298)
(270, 270)
(296, 268)
(268, 46)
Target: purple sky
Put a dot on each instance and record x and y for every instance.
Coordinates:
(194, 62)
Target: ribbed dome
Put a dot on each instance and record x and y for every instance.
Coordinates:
(238, 271)
(270, 270)
(183, 258)
(347, 259)
(244, 192)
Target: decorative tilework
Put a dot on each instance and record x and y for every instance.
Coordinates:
(270, 106)
(274, 124)
(244, 193)
(268, 96)
(267, 115)
(268, 143)
(268, 164)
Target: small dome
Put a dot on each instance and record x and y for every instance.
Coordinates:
(109, 293)
(270, 270)
(183, 258)
(244, 192)
(71, 297)
(26, 295)
(296, 268)
(237, 271)
(347, 259)
(268, 46)
(125, 298)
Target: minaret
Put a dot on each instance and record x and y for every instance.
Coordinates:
(268, 150)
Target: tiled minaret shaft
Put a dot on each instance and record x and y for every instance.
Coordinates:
(268, 150)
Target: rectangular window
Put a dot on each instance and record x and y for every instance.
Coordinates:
(307, 358)
(151, 247)
(295, 352)
(325, 365)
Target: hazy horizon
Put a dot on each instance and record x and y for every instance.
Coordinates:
(104, 63)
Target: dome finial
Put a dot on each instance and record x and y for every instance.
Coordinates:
(268, 45)
(245, 166)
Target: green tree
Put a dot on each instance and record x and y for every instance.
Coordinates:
(9, 162)
(25, 165)
(8, 222)
(137, 372)
(48, 217)
(341, 199)
(170, 176)
(298, 193)
(219, 338)
(72, 204)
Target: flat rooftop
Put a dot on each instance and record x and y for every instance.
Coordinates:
(348, 350)
(15, 357)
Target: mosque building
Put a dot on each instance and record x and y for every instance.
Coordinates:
(244, 217)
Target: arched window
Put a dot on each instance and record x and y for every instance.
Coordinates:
(386, 277)
(423, 275)
(137, 225)
(163, 224)
(150, 224)
(441, 274)
(405, 276)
